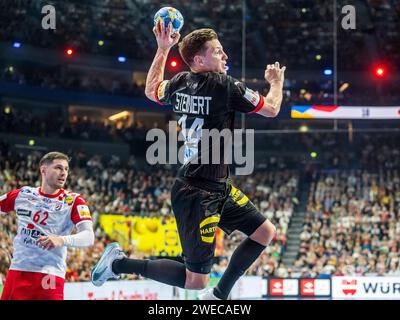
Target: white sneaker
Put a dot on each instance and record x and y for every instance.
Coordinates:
(102, 271)
(208, 295)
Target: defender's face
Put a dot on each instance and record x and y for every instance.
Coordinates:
(215, 58)
(56, 173)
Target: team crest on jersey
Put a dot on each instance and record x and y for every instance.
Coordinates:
(69, 200)
(83, 211)
(252, 96)
(161, 89)
(58, 207)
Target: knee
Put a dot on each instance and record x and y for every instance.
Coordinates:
(264, 234)
(196, 281)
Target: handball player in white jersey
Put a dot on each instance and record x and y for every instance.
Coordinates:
(46, 218)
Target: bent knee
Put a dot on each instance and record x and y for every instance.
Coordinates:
(196, 281)
(264, 233)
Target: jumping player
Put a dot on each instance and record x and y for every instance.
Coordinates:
(46, 217)
(202, 196)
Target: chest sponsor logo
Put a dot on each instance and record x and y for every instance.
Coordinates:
(47, 200)
(31, 232)
(44, 206)
(24, 212)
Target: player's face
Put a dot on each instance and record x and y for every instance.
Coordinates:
(215, 58)
(55, 174)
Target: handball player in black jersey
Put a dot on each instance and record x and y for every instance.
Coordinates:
(203, 197)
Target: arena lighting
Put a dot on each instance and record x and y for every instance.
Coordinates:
(119, 115)
(328, 72)
(173, 63)
(31, 142)
(318, 57)
(380, 71)
(343, 87)
(313, 154)
(100, 43)
(7, 109)
(303, 128)
(69, 52)
(121, 59)
(17, 44)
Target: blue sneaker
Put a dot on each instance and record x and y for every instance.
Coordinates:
(102, 271)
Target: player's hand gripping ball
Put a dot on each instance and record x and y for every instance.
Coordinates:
(169, 14)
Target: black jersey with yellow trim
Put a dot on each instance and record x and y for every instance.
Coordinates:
(206, 101)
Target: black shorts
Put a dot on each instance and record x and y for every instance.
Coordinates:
(199, 211)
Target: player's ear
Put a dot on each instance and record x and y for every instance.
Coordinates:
(198, 60)
(42, 169)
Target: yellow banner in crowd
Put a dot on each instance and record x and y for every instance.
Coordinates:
(151, 236)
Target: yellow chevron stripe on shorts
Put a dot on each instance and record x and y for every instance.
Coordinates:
(207, 239)
(238, 196)
(209, 220)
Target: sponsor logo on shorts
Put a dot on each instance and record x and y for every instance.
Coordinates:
(208, 228)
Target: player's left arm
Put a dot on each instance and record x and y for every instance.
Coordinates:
(7, 201)
(165, 42)
(84, 237)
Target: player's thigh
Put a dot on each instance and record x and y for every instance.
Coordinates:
(239, 213)
(196, 229)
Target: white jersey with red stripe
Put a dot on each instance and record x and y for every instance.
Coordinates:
(39, 215)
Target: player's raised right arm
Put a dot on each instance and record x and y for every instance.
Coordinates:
(165, 42)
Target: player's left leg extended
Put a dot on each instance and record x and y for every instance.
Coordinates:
(240, 214)
(114, 262)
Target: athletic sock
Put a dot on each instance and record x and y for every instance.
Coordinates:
(163, 270)
(242, 258)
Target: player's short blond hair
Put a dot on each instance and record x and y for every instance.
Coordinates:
(194, 43)
(48, 158)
